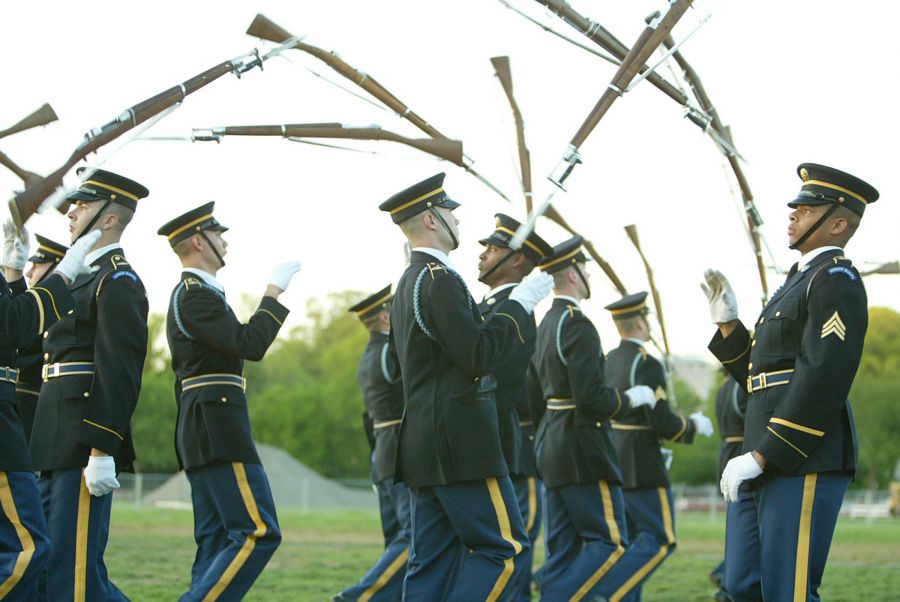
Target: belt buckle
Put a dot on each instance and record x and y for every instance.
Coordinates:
(51, 371)
(762, 381)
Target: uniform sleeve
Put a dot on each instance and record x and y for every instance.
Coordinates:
(830, 351)
(733, 351)
(120, 348)
(665, 423)
(585, 365)
(207, 319)
(534, 395)
(475, 348)
(29, 314)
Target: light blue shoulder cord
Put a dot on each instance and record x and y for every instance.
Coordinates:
(176, 299)
(559, 328)
(417, 310)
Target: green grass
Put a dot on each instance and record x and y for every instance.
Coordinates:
(151, 550)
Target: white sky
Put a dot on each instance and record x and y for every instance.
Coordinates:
(797, 81)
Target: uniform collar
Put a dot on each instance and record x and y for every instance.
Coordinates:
(499, 289)
(637, 342)
(96, 254)
(568, 299)
(807, 258)
(437, 254)
(207, 278)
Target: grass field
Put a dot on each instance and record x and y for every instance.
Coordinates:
(151, 550)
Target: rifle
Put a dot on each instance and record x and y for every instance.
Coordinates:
(443, 148)
(891, 267)
(44, 115)
(504, 74)
(644, 46)
(26, 203)
(28, 177)
(264, 28)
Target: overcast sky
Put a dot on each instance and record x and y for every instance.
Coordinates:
(800, 81)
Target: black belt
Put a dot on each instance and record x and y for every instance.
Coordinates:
(206, 380)
(560, 403)
(58, 369)
(768, 379)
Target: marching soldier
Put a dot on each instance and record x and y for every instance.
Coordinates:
(29, 360)
(501, 269)
(649, 511)
(463, 504)
(586, 533)
(24, 314)
(799, 440)
(235, 525)
(383, 398)
(93, 361)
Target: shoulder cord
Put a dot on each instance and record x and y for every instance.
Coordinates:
(734, 399)
(384, 365)
(417, 308)
(559, 329)
(176, 300)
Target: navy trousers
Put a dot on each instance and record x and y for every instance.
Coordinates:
(797, 516)
(742, 554)
(530, 495)
(384, 581)
(24, 546)
(586, 537)
(467, 542)
(78, 526)
(235, 528)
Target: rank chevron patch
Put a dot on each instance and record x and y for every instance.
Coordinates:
(834, 325)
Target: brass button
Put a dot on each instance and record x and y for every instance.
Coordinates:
(753, 344)
(70, 312)
(87, 393)
(750, 366)
(224, 399)
(46, 334)
(777, 313)
(762, 319)
(599, 425)
(46, 356)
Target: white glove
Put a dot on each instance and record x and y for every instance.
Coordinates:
(532, 289)
(702, 424)
(15, 249)
(722, 302)
(73, 263)
(739, 469)
(641, 395)
(281, 276)
(667, 455)
(100, 475)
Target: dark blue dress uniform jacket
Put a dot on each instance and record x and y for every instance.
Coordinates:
(28, 384)
(814, 325)
(79, 412)
(22, 317)
(573, 445)
(731, 406)
(636, 432)
(511, 387)
(449, 432)
(382, 394)
(205, 337)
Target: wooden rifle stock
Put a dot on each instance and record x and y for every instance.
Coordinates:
(27, 177)
(44, 115)
(632, 232)
(25, 204)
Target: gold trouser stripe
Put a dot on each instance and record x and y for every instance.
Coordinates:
(40, 307)
(796, 449)
(52, 300)
(266, 311)
(244, 553)
(506, 534)
(12, 515)
(798, 427)
(532, 503)
(81, 541)
(801, 569)
(610, 517)
(666, 515)
(518, 332)
(388, 574)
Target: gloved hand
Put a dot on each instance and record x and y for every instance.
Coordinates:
(281, 276)
(73, 263)
(702, 424)
(722, 302)
(100, 475)
(532, 289)
(641, 395)
(15, 249)
(739, 469)
(667, 455)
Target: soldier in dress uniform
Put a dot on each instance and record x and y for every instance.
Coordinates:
(24, 314)
(649, 509)
(467, 533)
(93, 361)
(30, 359)
(235, 525)
(383, 397)
(501, 269)
(800, 447)
(567, 391)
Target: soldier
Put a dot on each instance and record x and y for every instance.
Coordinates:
(24, 314)
(383, 398)
(467, 532)
(585, 511)
(649, 511)
(93, 360)
(799, 440)
(501, 269)
(235, 525)
(29, 360)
